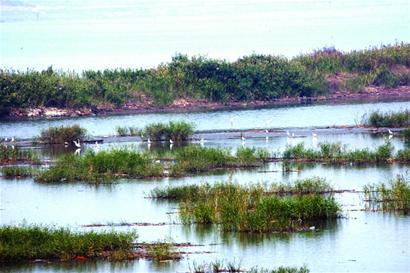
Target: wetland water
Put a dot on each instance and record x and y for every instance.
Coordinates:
(278, 117)
(361, 241)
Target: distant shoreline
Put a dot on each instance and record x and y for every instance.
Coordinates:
(375, 94)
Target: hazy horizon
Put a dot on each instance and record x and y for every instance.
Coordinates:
(78, 35)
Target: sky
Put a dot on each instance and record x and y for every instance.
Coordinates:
(90, 34)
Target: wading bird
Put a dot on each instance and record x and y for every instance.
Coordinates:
(77, 143)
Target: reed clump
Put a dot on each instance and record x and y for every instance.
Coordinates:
(315, 185)
(17, 172)
(221, 266)
(194, 159)
(62, 134)
(128, 131)
(27, 243)
(253, 208)
(389, 119)
(14, 154)
(163, 250)
(336, 153)
(177, 131)
(96, 167)
(394, 196)
(406, 134)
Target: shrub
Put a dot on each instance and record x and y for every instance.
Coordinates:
(62, 134)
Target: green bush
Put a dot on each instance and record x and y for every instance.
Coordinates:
(62, 134)
(28, 243)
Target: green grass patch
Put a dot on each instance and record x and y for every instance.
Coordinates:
(163, 250)
(27, 243)
(10, 172)
(177, 131)
(128, 131)
(252, 208)
(337, 153)
(389, 119)
(406, 134)
(194, 159)
(14, 154)
(62, 134)
(97, 167)
(315, 185)
(394, 196)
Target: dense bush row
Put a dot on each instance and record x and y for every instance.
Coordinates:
(254, 77)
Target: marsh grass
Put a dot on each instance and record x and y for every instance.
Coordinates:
(14, 154)
(336, 153)
(281, 269)
(27, 243)
(128, 131)
(62, 134)
(394, 196)
(406, 134)
(178, 131)
(17, 172)
(315, 185)
(254, 208)
(389, 119)
(103, 166)
(194, 159)
(163, 250)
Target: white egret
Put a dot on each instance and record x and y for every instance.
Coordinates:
(149, 141)
(390, 132)
(77, 143)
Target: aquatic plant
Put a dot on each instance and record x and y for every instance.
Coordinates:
(177, 131)
(403, 155)
(97, 167)
(28, 243)
(62, 134)
(194, 159)
(406, 134)
(315, 185)
(254, 209)
(17, 171)
(389, 119)
(280, 269)
(162, 250)
(14, 154)
(336, 153)
(394, 196)
(128, 131)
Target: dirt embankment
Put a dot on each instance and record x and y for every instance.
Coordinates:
(141, 104)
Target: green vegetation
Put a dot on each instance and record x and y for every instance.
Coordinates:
(14, 154)
(251, 208)
(102, 166)
(27, 243)
(162, 250)
(281, 269)
(314, 185)
(390, 119)
(194, 159)
(128, 131)
(337, 153)
(178, 131)
(393, 197)
(221, 266)
(17, 171)
(254, 77)
(406, 134)
(403, 155)
(62, 134)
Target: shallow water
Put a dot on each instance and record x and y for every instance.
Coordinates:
(278, 117)
(349, 245)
